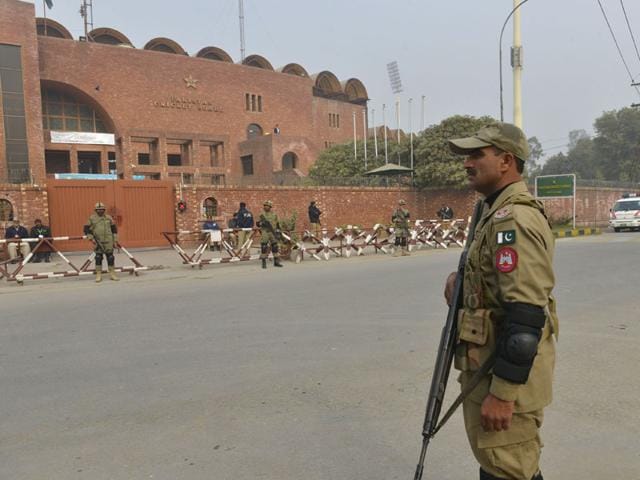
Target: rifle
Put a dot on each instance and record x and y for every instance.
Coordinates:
(266, 223)
(446, 351)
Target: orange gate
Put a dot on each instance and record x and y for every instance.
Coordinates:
(141, 209)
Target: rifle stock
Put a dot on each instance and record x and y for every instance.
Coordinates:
(446, 350)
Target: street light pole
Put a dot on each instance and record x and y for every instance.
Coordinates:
(500, 53)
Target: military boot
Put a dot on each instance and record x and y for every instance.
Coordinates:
(487, 476)
(98, 274)
(264, 263)
(405, 252)
(538, 476)
(276, 262)
(396, 252)
(112, 274)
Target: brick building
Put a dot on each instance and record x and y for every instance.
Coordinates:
(100, 105)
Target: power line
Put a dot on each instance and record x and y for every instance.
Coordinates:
(615, 40)
(630, 30)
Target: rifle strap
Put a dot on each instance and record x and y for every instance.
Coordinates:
(466, 391)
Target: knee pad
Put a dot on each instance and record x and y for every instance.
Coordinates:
(110, 259)
(397, 242)
(404, 241)
(274, 247)
(98, 258)
(264, 248)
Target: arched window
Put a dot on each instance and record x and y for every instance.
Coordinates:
(210, 207)
(289, 161)
(62, 111)
(6, 211)
(254, 130)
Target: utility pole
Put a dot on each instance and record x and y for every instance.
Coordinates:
(384, 125)
(516, 64)
(364, 130)
(355, 145)
(411, 135)
(86, 12)
(422, 114)
(241, 11)
(375, 132)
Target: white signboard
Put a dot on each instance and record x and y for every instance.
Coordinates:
(83, 138)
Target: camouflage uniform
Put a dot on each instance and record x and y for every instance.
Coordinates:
(268, 235)
(508, 280)
(400, 219)
(101, 230)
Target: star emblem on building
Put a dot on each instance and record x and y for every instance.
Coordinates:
(191, 82)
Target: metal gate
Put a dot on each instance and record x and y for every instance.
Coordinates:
(141, 209)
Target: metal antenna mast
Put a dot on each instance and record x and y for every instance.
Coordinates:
(86, 12)
(241, 10)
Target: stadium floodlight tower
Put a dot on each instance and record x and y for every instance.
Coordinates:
(396, 88)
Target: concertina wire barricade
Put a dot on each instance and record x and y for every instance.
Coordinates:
(343, 241)
(49, 245)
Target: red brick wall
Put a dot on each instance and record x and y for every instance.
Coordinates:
(592, 206)
(18, 27)
(340, 205)
(128, 95)
(29, 203)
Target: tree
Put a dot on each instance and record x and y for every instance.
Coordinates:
(533, 168)
(575, 136)
(617, 144)
(436, 165)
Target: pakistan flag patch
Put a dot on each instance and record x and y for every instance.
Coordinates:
(508, 237)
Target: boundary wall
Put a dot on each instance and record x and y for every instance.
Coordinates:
(340, 205)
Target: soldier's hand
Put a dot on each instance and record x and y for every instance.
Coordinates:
(448, 287)
(495, 414)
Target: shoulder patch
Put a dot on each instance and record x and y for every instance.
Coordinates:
(502, 213)
(506, 259)
(507, 237)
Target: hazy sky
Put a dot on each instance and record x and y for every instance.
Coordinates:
(447, 50)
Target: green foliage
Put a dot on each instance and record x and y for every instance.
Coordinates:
(434, 164)
(288, 225)
(613, 154)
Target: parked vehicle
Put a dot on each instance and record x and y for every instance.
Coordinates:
(625, 213)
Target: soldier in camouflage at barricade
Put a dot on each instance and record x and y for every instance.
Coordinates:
(400, 219)
(269, 234)
(103, 232)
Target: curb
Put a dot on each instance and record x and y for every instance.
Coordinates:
(577, 232)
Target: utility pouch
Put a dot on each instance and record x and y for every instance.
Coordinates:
(473, 325)
(475, 329)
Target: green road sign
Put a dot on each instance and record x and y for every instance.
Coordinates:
(555, 186)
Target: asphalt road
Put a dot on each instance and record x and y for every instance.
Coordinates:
(316, 371)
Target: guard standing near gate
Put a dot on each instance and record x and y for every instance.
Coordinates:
(508, 317)
(103, 232)
(400, 219)
(269, 234)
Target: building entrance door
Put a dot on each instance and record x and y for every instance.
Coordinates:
(142, 210)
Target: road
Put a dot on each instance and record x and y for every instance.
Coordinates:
(316, 371)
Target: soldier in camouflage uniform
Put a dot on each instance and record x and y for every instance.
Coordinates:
(103, 232)
(269, 234)
(508, 312)
(400, 219)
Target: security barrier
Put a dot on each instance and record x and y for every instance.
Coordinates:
(225, 240)
(48, 245)
(344, 241)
